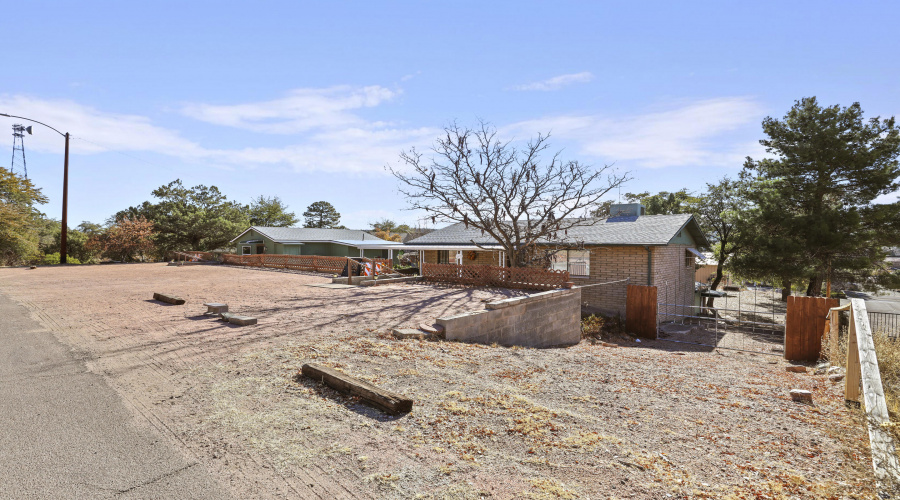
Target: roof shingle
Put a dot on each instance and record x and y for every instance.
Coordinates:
(281, 234)
(623, 230)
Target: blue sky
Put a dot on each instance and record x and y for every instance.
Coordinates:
(309, 101)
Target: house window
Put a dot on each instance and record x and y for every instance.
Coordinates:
(577, 262)
(443, 256)
(688, 259)
(245, 250)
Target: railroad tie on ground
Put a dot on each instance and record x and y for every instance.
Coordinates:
(171, 299)
(387, 401)
(215, 308)
(236, 319)
(409, 333)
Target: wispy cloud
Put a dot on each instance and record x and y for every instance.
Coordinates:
(301, 110)
(693, 133)
(107, 131)
(337, 141)
(557, 82)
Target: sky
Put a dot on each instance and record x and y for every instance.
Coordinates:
(310, 101)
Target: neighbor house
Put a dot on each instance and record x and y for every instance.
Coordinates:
(707, 268)
(312, 241)
(657, 250)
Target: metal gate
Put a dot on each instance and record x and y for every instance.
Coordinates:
(746, 319)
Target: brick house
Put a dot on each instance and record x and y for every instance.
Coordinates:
(658, 250)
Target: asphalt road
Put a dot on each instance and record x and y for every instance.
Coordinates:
(64, 433)
(887, 302)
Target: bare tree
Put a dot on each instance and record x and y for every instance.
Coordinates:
(509, 193)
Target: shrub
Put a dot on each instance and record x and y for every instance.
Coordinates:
(53, 258)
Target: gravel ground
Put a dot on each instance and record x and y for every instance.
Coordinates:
(647, 420)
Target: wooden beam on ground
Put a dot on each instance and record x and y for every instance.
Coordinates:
(387, 401)
(171, 299)
(884, 454)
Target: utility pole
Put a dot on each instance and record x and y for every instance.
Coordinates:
(63, 236)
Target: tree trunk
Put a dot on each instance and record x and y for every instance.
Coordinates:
(715, 283)
(815, 286)
(785, 289)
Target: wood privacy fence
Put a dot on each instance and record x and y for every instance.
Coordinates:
(507, 277)
(314, 263)
(640, 311)
(804, 326)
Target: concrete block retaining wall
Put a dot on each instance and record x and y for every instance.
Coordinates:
(538, 320)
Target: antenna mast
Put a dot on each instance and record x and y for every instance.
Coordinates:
(18, 153)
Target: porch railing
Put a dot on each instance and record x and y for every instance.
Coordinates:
(506, 277)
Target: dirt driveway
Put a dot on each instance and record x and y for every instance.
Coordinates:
(642, 421)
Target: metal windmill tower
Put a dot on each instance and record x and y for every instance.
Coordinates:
(18, 153)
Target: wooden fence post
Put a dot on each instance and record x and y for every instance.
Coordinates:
(854, 375)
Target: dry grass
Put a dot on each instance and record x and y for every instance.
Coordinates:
(488, 422)
(887, 351)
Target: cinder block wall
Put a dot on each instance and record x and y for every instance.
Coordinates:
(538, 320)
(612, 264)
(674, 280)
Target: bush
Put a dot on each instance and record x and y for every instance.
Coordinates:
(53, 258)
(602, 327)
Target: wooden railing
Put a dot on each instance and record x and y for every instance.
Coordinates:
(313, 263)
(863, 377)
(507, 277)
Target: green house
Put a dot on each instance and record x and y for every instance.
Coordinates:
(312, 241)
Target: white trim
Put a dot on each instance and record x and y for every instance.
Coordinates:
(249, 250)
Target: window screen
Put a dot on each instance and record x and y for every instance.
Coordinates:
(443, 256)
(560, 261)
(577, 262)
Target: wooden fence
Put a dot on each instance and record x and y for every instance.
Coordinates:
(507, 277)
(313, 263)
(640, 311)
(863, 373)
(804, 326)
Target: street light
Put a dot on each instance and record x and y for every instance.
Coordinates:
(63, 259)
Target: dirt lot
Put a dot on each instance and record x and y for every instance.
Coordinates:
(648, 420)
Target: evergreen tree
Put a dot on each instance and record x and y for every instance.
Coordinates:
(199, 218)
(811, 215)
(322, 215)
(270, 212)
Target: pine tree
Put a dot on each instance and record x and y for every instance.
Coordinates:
(322, 215)
(811, 215)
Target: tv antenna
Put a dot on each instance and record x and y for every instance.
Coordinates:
(18, 153)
